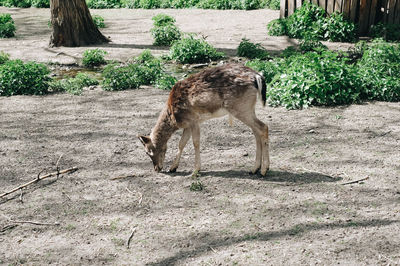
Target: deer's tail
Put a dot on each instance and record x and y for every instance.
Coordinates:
(261, 87)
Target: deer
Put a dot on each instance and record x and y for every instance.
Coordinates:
(230, 89)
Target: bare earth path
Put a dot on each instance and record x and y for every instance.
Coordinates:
(300, 214)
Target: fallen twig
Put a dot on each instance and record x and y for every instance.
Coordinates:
(355, 181)
(8, 227)
(130, 237)
(122, 177)
(73, 169)
(33, 222)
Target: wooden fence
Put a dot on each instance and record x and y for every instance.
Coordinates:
(364, 12)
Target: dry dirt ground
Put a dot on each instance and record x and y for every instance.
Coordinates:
(301, 213)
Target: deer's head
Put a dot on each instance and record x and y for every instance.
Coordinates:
(156, 154)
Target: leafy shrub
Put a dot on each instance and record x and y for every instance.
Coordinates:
(250, 4)
(165, 35)
(251, 50)
(17, 3)
(99, 4)
(17, 77)
(98, 21)
(94, 57)
(268, 68)
(190, 50)
(379, 71)
(310, 42)
(277, 27)
(389, 32)
(73, 85)
(271, 4)
(165, 82)
(162, 20)
(338, 29)
(143, 70)
(308, 17)
(41, 3)
(4, 57)
(311, 20)
(314, 79)
(7, 27)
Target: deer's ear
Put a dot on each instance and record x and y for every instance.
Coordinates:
(144, 139)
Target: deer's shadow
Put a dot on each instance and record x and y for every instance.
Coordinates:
(283, 176)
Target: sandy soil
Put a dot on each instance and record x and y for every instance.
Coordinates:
(299, 214)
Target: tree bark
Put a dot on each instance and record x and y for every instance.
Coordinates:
(73, 25)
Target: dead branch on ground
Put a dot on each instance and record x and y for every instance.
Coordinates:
(355, 181)
(73, 169)
(130, 237)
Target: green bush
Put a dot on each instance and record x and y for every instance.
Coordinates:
(269, 69)
(143, 70)
(165, 35)
(4, 57)
(379, 71)
(251, 50)
(73, 85)
(314, 79)
(165, 82)
(190, 50)
(98, 21)
(389, 32)
(250, 4)
(41, 3)
(277, 27)
(162, 20)
(94, 57)
(17, 3)
(311, 20)
(7, 27)
(100, 4)
(17, 77)
(337, 29)
(271, 4)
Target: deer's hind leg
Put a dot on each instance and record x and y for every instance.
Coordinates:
(187, 132)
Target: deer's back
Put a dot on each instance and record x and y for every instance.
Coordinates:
(209, 92)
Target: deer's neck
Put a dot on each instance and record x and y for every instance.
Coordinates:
(164, 128)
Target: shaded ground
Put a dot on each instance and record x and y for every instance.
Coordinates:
(299, 214)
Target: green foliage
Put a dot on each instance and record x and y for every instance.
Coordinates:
(98, 21)
(271, 4)
(40, 3)
(75, 85)
(99, 4)
(277, 27)
(389, 32)
(269, 69)
(162, 20)
(310, 43)
(250, 4)
(190, 50)
(251, 50)
(311, 20)
(94, 57)
(314, 79)
(338, 29)
(165, 82)
(196, 186)
(17, 3)
(7, 27)
(4, 57)
(17, 77)
(379, 70)
(143, 70)
(165, 35)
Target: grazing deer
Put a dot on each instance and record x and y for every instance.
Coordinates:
(228, 89)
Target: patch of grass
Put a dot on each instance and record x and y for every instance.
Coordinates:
(196, 186)
(17, 77)
(75, 85)
(100, 4)
(252, 50)
(94, 57)
(191, 50)
(40, 3)
(145, 69)
(312, 20)
(161, 19)
(4, 57)
(164, 32)
(98, 21)
(165, 82)
(7, 27)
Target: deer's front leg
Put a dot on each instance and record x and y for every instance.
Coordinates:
(182, 143)
(196, 144)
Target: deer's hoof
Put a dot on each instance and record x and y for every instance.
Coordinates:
(254, 171)
(172, 170)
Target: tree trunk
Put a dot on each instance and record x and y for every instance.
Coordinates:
(73, 25)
